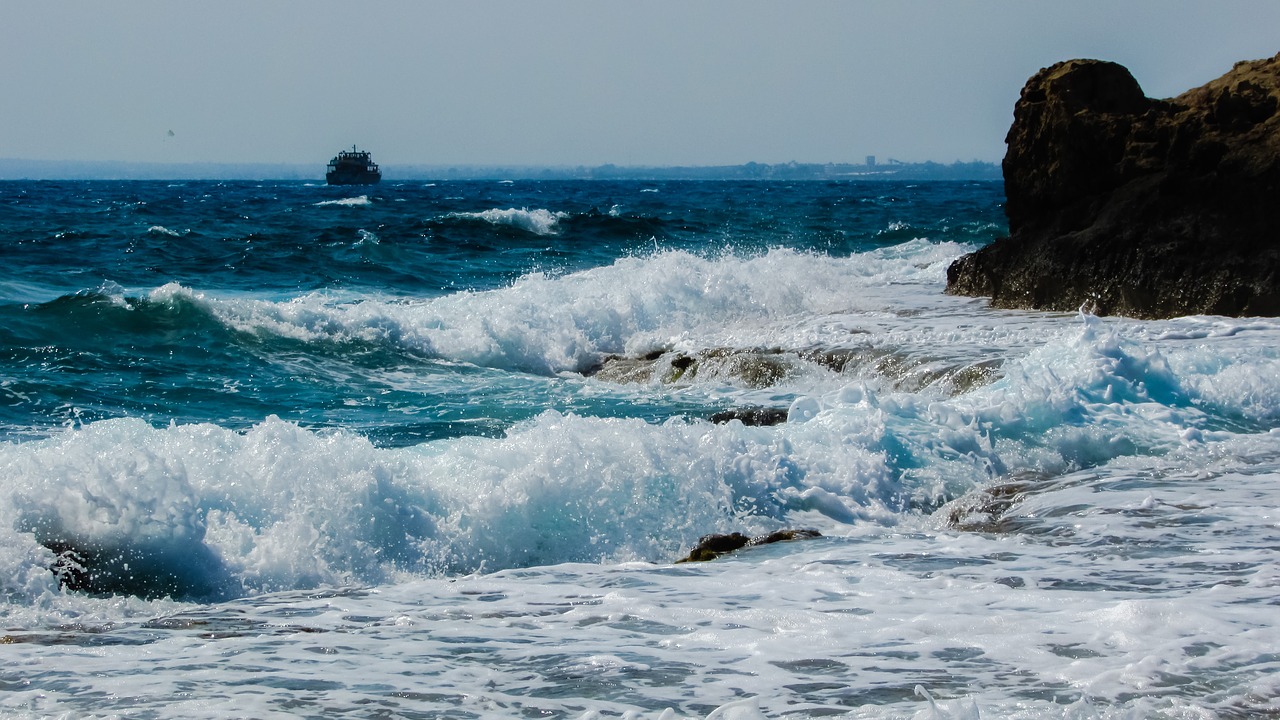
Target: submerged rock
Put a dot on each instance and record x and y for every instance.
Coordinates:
(759, 368)
(711, 547)
(758, 416)
(988, 509)
(1128, 205)
(750, 367)
(144, 570)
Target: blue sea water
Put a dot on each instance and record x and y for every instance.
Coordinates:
(431, 450)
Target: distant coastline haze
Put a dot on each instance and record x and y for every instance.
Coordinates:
(11, 169)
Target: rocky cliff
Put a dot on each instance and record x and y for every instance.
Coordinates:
(1134, 206)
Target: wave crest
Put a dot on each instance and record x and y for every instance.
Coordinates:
(547, 325)
(538, 221)
(211, 512)
(357, 201)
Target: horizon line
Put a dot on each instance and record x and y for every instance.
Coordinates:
(26, 169)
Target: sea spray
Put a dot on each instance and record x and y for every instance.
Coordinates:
(553, 324)
(563, 488)
(537, 221)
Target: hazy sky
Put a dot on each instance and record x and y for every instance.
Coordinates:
(573, 82)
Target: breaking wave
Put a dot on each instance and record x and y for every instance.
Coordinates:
(537, 221)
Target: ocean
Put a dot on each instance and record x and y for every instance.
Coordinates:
(433, 449)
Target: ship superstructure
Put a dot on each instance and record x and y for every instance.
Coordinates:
(353, 167)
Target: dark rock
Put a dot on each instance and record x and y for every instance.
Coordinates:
(909, 370)
(683, 362)
(147, 571)
(752, 367)
(620, 369)
(711, 547)
(986, 510)
(1128, 205)
(752, 416)
(785, 535)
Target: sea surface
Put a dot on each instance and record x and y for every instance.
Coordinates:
(433, 449)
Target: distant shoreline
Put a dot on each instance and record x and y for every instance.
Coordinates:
(15, 169)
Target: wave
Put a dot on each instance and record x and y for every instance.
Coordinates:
(785, 319)
(112, 315)
(358, 201)
(199, 511)
(209, 512)
(118, 506)
(537, 221)
(670, 300)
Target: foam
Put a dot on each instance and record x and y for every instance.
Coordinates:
(546, 324)
(260, 508)
(538, 221)
(281, 507)
(1098, 616)
(358, 201)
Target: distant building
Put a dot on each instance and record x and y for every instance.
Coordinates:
(871, 161)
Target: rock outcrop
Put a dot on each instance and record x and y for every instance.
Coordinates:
(1132, 206)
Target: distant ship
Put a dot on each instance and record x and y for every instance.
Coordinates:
(353, 168)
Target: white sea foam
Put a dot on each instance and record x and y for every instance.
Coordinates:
(357, 201)
(672, 299)
(538, 221)
(162, 230)
(1095, 613)
(281, 507)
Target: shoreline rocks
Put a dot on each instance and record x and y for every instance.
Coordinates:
(759, 368)
(1123, 204)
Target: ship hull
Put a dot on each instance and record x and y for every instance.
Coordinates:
(353, 178)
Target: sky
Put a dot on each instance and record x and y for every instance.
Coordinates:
(573, 82)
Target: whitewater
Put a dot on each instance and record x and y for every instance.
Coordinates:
(433, 450)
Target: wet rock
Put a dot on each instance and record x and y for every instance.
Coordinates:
(750, 367)
(985, 511)
(1128, 205)
(678, 366)
(756, 368)
(711, 547)
(758, 416)
(621, 369)
(992, 509)
(144, 570)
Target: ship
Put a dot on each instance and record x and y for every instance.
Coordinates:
(353, 168)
